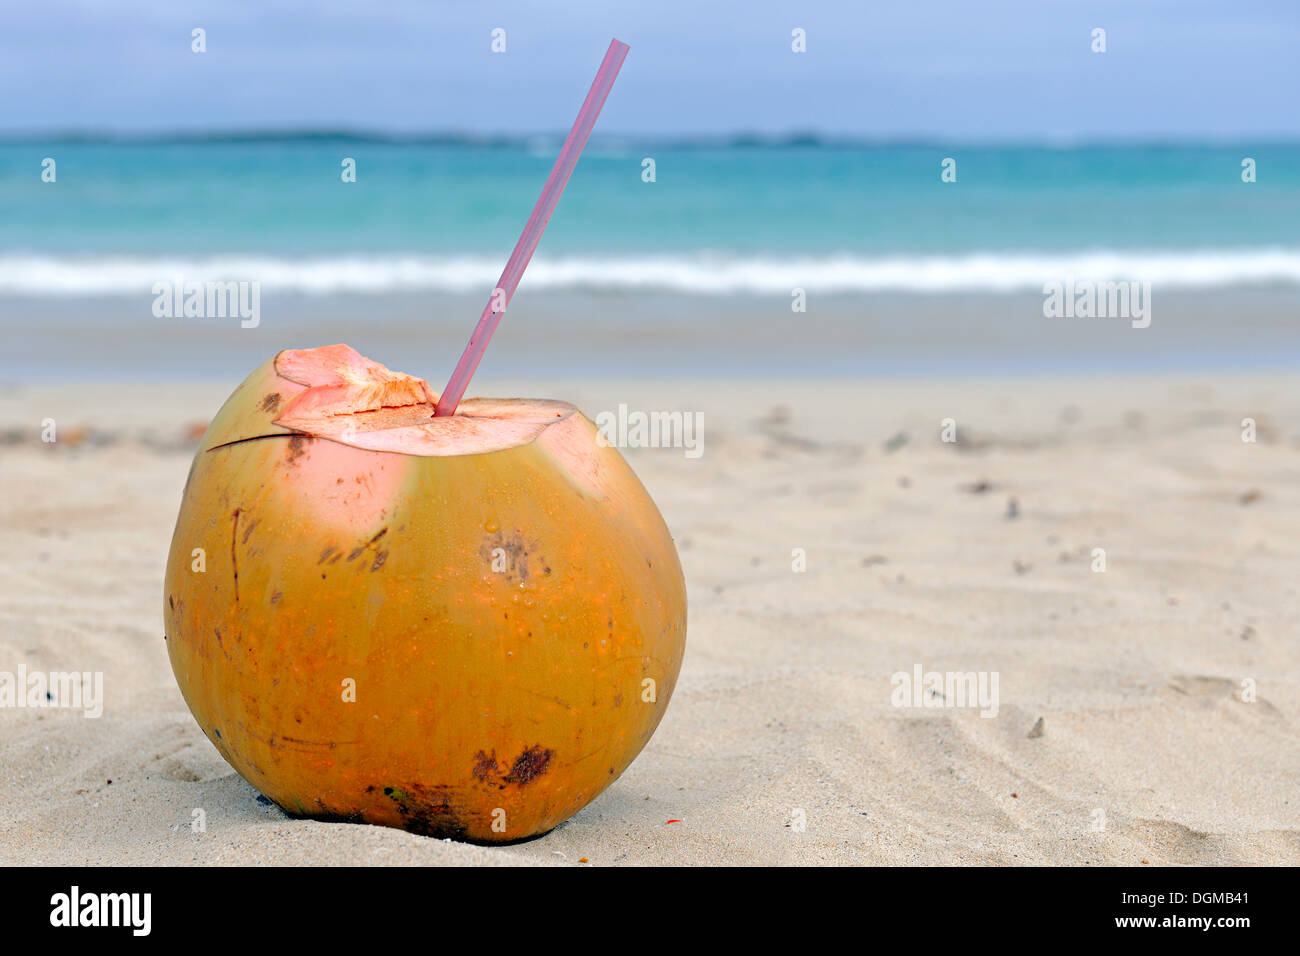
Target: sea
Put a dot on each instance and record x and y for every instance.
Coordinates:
(727, 234)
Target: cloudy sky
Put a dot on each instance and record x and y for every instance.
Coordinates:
(949, 69)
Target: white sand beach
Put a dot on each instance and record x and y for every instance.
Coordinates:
(1165, 689)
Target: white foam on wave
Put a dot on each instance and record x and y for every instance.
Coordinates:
(696, 273)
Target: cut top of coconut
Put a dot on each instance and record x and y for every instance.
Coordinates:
(351, 399)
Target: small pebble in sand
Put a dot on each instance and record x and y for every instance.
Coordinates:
(1247, 632)
(1038, 729)
(1021, 567)
(1250, 497)
(895, 443)
(1013, 509)
(874, 559)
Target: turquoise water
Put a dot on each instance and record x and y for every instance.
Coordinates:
(446, 215)
(691, 275)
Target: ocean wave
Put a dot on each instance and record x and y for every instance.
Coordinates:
(696, 274)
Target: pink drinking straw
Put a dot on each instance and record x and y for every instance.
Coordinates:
(527, 244)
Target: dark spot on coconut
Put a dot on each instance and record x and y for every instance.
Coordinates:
(275, 598)
(248, 531)
(234, 560)
(380, 558)
(324, 555)
(485, 765)
(171, 602)
(530, 765)
(517, 553)
(427, 811)
(356, 553)
(217, 631)
(378, 536)
(297, 448)
(618, 700)
(271, 402)
(217, 731)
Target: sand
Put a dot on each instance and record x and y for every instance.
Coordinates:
(1147, 714)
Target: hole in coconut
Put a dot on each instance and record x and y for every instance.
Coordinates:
(351, 399)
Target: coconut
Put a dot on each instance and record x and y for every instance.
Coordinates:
(464, 626)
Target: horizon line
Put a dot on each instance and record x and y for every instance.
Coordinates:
(793, 138)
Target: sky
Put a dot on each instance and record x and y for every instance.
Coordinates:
(992, 70)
